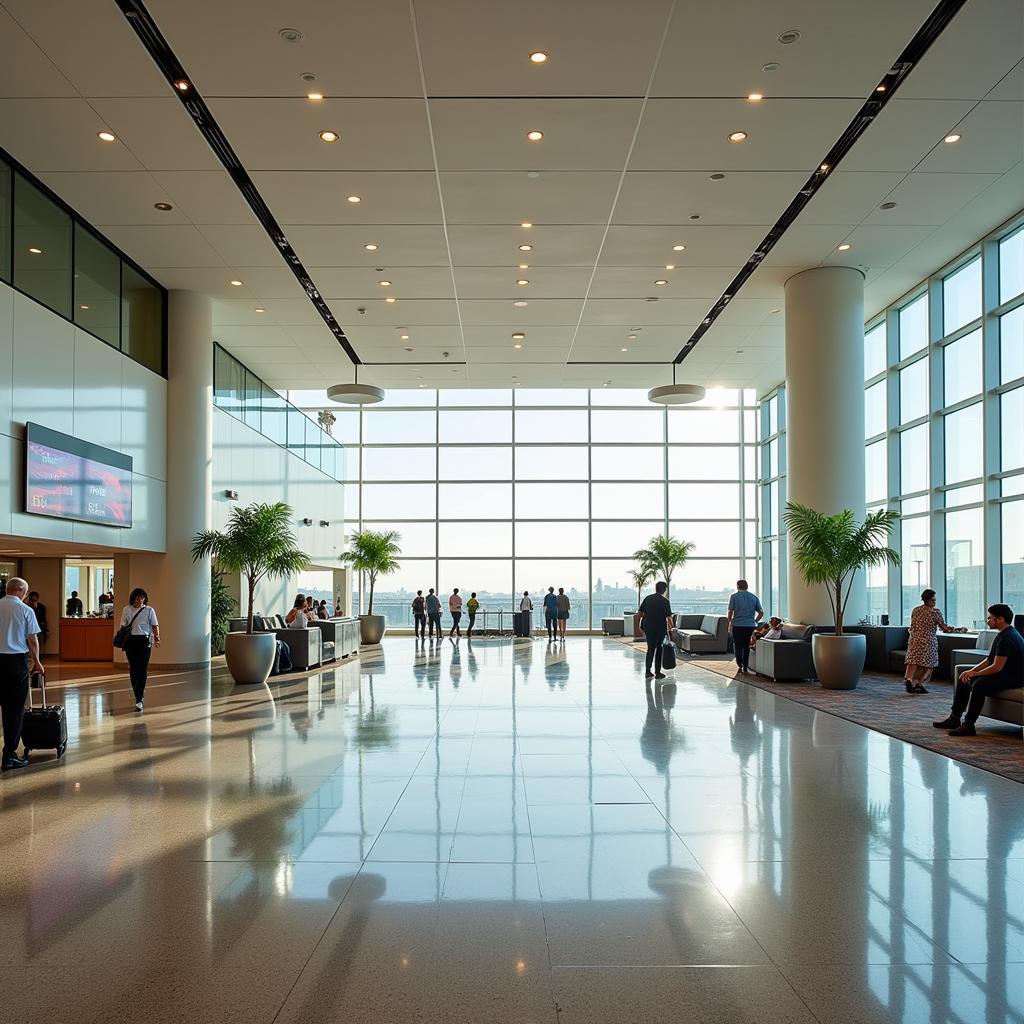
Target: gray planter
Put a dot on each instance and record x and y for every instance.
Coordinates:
(839, 660)
(371, 628)
(250, 658)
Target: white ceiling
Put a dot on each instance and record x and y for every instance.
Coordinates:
(433, 100)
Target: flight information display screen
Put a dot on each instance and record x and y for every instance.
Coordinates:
(69, 478)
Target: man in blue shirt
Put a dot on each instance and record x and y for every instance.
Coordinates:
(19, 642)
(745, 612)
(433, 604)
(551, 612)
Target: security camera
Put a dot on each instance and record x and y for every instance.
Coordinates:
(361, 311)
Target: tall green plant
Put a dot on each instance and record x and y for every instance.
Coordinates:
(258, 543)
(830, 549)
(641, 576)
(663, 555)
(222, 604)
(374, 553)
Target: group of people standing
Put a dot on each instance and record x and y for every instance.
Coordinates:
(427, 611)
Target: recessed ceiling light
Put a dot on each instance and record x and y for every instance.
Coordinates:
(632, 337)
(329, 136)
(290, 35)
(354, 199)
(526, 224)
(661, 280)
(879, 88)
(520, 303)
(522, 280)
(517, 345)
(236, 283)
(526, 248)
(888, 206)
(535, 136)
(83, 306)
(384, 284)
(182, 85)
(844, 247)
(391, 298)
(755, 97)
(259, 309)
(770, 67)
(524, 266)
(953, 137)
(538, 57)
(533, 174)
(35, 252)
(623, 349)
(791, 35)
(679, 247)
(371, 247)
(315, 96)
(106, 136)
(737, 136)
(670, 266)
(776, 310)
(518, 336)
(163, 207)
(404, 337)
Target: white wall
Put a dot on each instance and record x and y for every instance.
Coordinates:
(55, 374)
(259, 470)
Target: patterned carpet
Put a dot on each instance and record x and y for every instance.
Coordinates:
(881, 703)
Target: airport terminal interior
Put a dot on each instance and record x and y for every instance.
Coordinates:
(512, 513)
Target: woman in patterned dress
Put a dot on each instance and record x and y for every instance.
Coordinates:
(923, 645)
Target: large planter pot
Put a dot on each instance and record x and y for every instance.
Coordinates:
(250, 657)
(371, 628)
(839, 660)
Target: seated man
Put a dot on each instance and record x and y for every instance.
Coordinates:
(770, 630)
(1001, 670)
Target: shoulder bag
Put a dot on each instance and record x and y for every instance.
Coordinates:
(121, 636)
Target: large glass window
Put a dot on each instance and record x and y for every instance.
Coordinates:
(142, 319)
(916, 555)
(5, 222)
(633, 462)
(964, 446)
(1012, 429)
(875, 420)
(875, 359)
(471, 501)
(552, 462)
(962, 368)
(914, 391)
(1011, 265)
(1013, 554)
(876, 482)
(42, 247)
(965, 573)
(914, 459)
(556, 426)
(1011, 346)
(388, 427)
(399, 464)
(961, 297)
(913, 320)
(474, 463)
(487, 426)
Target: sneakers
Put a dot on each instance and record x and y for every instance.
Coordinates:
(138, 705)
(13, 762)
(648, 675)
(947, 723)
(659, 675)
(967, 729)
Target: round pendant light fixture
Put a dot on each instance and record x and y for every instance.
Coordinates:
(355, 393)
(676, 394)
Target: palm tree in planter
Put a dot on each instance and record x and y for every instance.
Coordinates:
(828, 550)
(258, 543)
(374, 553)
(663, 555)
(641, 576)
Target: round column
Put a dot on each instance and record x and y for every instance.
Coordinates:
(825, 413)
(179, 589)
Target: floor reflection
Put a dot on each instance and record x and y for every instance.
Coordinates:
(440, 827)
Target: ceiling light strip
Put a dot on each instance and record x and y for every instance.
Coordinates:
(139, 18)
(880, 95)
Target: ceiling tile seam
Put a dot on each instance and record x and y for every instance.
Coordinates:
(437, 172)
(915, 50)
(153, 41)
(625, 168)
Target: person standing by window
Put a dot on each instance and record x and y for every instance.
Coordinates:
(419, 616)
(19, 636)
(923, 643)
(563, 608)
(455, 607)
(145, 631)
(656, 615)
(472, 607)
(745, 612)
(551, 613)
(433, 613)
(73, 608)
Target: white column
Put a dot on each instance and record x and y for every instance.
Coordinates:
(177, 588)
(825, 413)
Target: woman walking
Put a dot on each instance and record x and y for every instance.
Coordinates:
(145, 631)
(923, 645)
(563, 606)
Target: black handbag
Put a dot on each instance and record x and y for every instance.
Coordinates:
(121, 636)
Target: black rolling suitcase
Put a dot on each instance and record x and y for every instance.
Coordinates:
(44, 728)
(522, 623)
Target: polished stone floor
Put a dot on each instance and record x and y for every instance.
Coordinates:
(488, 833)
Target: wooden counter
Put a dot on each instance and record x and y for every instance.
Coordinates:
(87, 639)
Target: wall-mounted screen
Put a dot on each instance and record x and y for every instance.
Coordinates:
(73, 479)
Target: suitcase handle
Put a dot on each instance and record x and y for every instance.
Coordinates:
(38, 680)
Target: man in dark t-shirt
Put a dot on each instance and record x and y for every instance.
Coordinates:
(657, 617)
(1001, 670)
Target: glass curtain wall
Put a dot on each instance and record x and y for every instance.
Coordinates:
(498, 492)
(773, 502)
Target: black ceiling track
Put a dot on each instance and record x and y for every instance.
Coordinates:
(880, 95)
(184, 88)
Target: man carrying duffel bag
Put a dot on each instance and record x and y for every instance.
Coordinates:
(657, 617)
(19, 644)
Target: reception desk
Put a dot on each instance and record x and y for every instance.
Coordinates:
(87, 639)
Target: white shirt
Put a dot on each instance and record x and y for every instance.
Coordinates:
(526, 605)
(17, 624)
(301, 620)
(144, 623)
(775, 633)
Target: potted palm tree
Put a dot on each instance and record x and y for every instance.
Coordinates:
(662, 556)
(641, 576)
(374, 553)
(828, 550)
(258, 543)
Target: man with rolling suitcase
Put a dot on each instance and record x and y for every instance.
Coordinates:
(19, 641)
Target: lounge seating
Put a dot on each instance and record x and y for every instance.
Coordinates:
(701, 634)
(948, 644)
(1007, 706)
(788, 658)
(305, 645)
(612, 627)
(341, 637)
